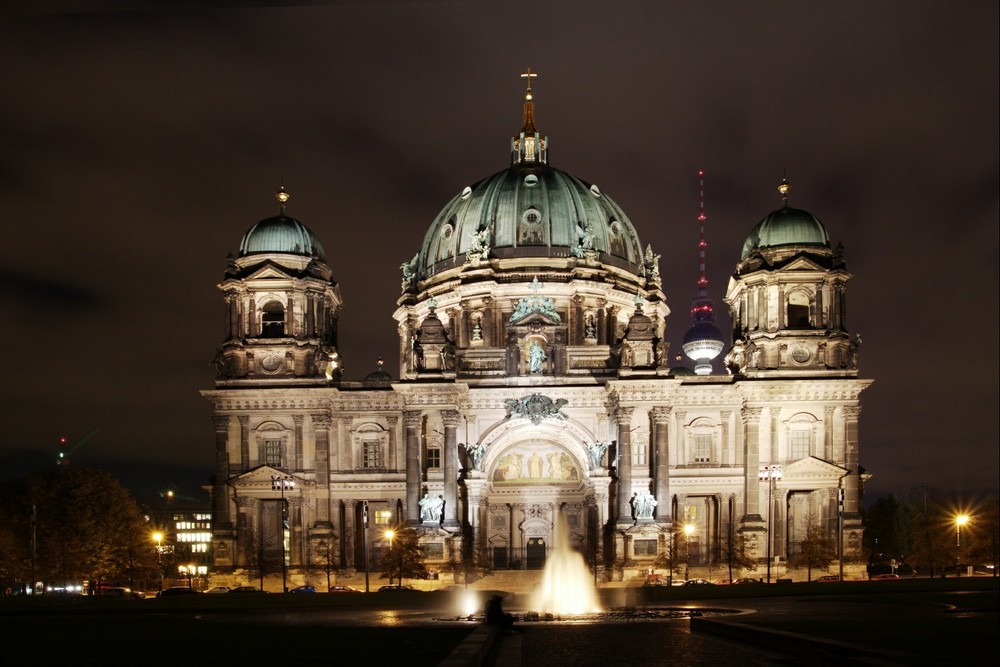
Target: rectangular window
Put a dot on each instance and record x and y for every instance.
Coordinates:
(383, 517)
(433, 457)
(644, 547)
(371, 455)
(801, 442)
(702, 448)
(272, 453)
(639, 453)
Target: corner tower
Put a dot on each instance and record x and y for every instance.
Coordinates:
(788, 300)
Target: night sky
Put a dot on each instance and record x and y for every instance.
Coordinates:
(138, 145)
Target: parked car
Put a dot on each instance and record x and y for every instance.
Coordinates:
(723, 582)
(303, 589)
(697, 582)
(747, 580)
(245, 589)
(121, 592)
(885, 577)
(175, 591)
(398, 587)
(218, 589)
(829, 577)
(344, 589)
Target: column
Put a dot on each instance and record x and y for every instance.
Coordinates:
(450, 418)
(852, 482)
(624, 418)
(602, 328)
(661, 472)
(392, 462)
(725, 456)
(751, 485)
(827, 452)
(220, 495)
(412, 419)
(321, 430)
(298, 420)
(350, 526)
(244, 442)
(344, 445)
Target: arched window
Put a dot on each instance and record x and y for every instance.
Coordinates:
(798, 310)
(272, 320)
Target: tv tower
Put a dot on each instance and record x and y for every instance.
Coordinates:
(703, 341)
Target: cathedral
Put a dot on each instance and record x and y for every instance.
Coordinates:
(535, 381)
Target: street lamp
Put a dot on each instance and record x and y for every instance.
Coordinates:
(960, 521)
(280, 483)
(389, 534)
(158, 538)
(769, 473)
(688, 532)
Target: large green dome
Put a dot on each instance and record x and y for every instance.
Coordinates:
(785, 227)
(281, 234)
(530, 210)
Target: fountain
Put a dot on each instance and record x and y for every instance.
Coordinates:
(567, 586)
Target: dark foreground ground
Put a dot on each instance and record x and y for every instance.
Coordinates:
(954, 622)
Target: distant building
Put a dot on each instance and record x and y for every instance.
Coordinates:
(186, 528)
(534, 378)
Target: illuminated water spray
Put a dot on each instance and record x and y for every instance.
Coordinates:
(567, 584)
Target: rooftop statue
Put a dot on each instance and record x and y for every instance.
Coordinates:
(535, 304)
(535, 407)
(409, 272)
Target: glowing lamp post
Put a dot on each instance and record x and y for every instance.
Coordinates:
(770, 474)
(389, 535)
(158, 538)
(960, 521)
(688, 532)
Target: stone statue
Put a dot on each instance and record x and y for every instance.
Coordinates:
(651, 264)
(596, 450)
(430, 508)
(448, 357)
(591, 331)
(585, 242)
(409, 272)
(625, 356)
(476, 452)
(480, 244)
(536, 356)
(643, 502)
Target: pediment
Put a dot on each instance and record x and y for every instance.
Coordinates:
(537, 317)
(262, 478)
(269, 271)
(814, 468)
(802, 263)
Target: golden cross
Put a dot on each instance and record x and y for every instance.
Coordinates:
(529, 75)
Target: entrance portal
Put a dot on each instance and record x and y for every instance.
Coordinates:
(535, 554)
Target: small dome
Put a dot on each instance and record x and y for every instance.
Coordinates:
(680, 371)
(281, 234)
(786, 226)
(378, 376)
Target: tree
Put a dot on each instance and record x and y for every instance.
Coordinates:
(817, 551)
(405, 558)
(985, 535)
(669, 556)
(89, 527)
(326, 555)
(734, 551)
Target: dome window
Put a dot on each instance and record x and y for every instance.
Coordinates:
(531, 180)
(532, 216)
(798, 310)
(272, 320)
(447, 231)
(616, 228)
(467, 192)
(594, 190)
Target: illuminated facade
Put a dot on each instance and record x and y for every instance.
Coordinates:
(534, 378)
